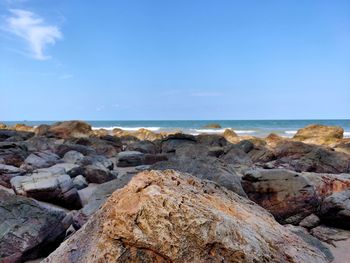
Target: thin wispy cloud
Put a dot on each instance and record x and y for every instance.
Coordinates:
(206, 94)
(33, 30)
(66, 76)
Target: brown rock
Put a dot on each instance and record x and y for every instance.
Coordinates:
(291, 196)
(319, 134)
(23, 127)
(212, 126)
(66, 129)
(230, 136)
(172, 217)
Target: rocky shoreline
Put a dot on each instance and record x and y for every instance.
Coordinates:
(69, 193)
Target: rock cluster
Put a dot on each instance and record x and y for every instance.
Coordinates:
(58, 176)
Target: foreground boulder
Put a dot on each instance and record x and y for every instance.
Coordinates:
(291, 196)
(173, 217)
(7, 172)
(27, 230)
(319, 134)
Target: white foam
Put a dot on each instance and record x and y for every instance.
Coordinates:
(127, 128)
(244, 131)
(347, 134)
(209, 130)
(291, 132)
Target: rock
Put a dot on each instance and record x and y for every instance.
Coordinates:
(23, 127)
(40, 144)
(79, 182)
(144, 147)
(212, 126)
(212, 140)
(173, 141)
(129, 158)
(141, 134)
(273, 139)
(48, 187)
(7, 172)
(3, 126)
(61, 168)
(97, 160)
(13, 153)
(98, 197)
(100, 132)
(300, 157)
(98, 174)
(230, 136)
(310, 221)
(40, 160)
(134, 158)
(27, 230)
(73, 157)
(330, 235)
(10, 135)
(62, 149)
(291, 196)
(319, 134)
(172, 217)
(236, 156)
(335, 209)
(66, 130)
(343, 147)
(206, 168)
(311, 240)
(108, 148)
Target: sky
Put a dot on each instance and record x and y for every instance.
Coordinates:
(174, 59)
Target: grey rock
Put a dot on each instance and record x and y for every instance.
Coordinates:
(40, 160)
(79, 182)
(27, 230)
(45, 186)
(98, 174)
(7, 172)
(310, 221)
(73, 157)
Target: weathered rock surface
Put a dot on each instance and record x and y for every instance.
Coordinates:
(46, 186)
(230, 136)
(65, 130)
(27, 230)
(171, 217)
(206, 168)
(319, 134)
(335, 209)
(135, 158)
(7, 172)
(13, 153)
(303, 157)
(291, 196)
(40, 160)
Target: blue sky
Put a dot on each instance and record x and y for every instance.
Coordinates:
(167, 59)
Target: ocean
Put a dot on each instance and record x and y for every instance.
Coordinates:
(259, 128)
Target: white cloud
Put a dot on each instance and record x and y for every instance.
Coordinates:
(33, 30)
(206, 94)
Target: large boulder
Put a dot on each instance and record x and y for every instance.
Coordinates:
(45, 186)
(11, 135)
(319, 134)
(66, 130)
(291, 196)
(172, 217)
(27, 230)
(135, 158)
(98, 174)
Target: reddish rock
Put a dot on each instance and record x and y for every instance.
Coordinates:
(172, 217)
